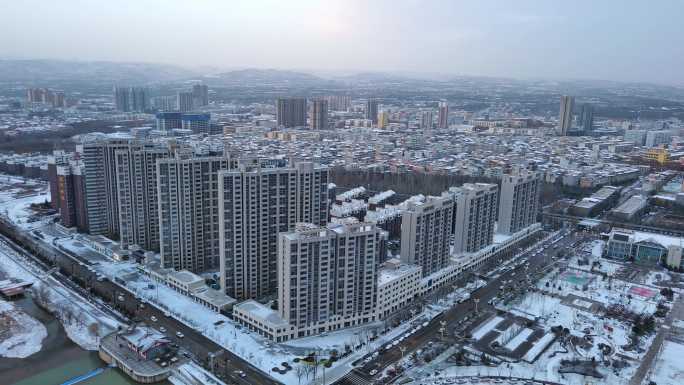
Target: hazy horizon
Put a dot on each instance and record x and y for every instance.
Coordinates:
(627, 41)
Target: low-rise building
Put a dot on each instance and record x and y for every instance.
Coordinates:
(398, 286)
(643, 248)
(263, 320)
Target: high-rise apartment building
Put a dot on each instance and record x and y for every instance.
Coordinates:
(567, 104)
(136, 178)
(291, 112)
(67, 189)
(477, 206)
(257, 201)
(101, 183)
(319, 114)
(518, 202)
(383, 119)
(188, 197)
(426, 229)
(200, 95)
(185, 102)
(426, 120)
(586, 120)
(131, 99)
(339, 102)
(443, 115)
(328, 276)
(164, 103)
(372, 110)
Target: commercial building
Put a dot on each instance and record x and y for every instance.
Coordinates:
(291, 112)
(188, 201)
(567, 104)
(638, 137)
(477, 206)
(257, 201)
(630, 209)
(319, 114)
(399, 285)
(372, 110)
(328, 276)
(644, 248)
(601, 200)
(519, 201)
(443, 115)
(197, 123)
(426, 228)
(168, 121)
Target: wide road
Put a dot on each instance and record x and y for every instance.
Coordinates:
(539, 258)
(75, 272)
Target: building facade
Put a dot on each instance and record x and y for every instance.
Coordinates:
(443, 115)
(188, 195)
(319, 114)
(426, 229)
(136, 178)
(328, 276)
(291, 112)
(101, 185)
(372, 110)
(567, 104)
(475, 217)
(518, 202)
(257, 201)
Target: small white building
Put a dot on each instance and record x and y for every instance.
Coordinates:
(398, 286)
(263, 320)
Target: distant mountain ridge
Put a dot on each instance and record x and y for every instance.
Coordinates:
(39, 71)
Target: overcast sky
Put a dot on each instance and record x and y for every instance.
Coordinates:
(625, 40)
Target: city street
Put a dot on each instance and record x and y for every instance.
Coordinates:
(227, 365)
(538, 261)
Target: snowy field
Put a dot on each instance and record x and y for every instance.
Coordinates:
(668, 369)
(16, 195)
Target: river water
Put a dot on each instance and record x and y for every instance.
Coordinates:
(59, 360)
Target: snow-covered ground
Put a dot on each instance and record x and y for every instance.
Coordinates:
(16, 195)
(192, 374)
(668, 369)
(20, 334)
(83, 322)
(250, 346)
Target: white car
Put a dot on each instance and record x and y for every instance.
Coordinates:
(373, 372)
(153, 319)
(162, 329)
(180, 335)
